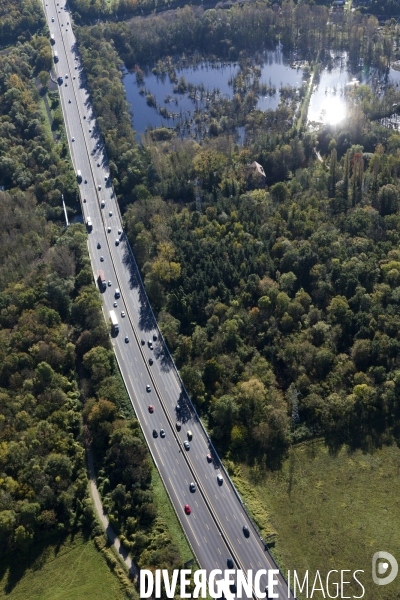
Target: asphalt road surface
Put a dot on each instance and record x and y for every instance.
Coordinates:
(215, 525)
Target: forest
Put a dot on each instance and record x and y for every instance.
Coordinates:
(280, 303)
(60, 388)
(19, 20)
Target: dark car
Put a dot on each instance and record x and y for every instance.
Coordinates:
(229, 562)
(246, 531)
(155, 433)
(178, 425)
(142, 342)
(150, 361)
(187, 445)
(155, 337)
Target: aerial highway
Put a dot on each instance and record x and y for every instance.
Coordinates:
(216, 525)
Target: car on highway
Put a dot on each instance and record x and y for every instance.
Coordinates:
(52, 19)
(246, 531)
(150, 344)
(98, 164)
(117, 242)
(109, 229)
(73, 139)
(209, 458)
(186, 444)
(150, 361)
(189, 434)
(66, 76)
(119, 232)
(178, 425)
(101, 258)
(117, 293)
(142, 342)
(229, 562)
(99, 187)
(110, 213)
(60, 81)
(122, 314)
(162, 433)
(103, 204)
(151, 408)
(192, 487)
(148, 388)
(98, 245)
(155, 433)
(187, 509)
(69, 101)
(220, 479)
(115, 305)
(155, 337)
(109, 284)
(126, 339)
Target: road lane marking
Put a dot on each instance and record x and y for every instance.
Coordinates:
(187, 520)
(156, 448)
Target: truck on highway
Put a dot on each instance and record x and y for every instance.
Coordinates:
(102, 280)
(79, 176)
(89, 223)
(114, 321)
(55, 56)
(52, 39)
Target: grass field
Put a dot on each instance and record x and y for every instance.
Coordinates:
(75, 570)
(330, 512)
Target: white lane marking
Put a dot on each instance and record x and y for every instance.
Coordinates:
(187, 519)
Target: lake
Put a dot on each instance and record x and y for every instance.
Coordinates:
(212, 81)
(328, 102)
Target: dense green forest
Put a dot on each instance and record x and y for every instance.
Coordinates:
(280, 304)
(20, 20)
(59, 383)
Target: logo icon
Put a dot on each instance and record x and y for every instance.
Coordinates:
(380, 565)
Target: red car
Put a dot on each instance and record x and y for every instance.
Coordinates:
(151, 408)
(187, 509)
(209, 458)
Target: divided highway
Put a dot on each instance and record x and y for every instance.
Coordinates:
(215, 525)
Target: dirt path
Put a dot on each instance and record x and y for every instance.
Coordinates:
(112, 536)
